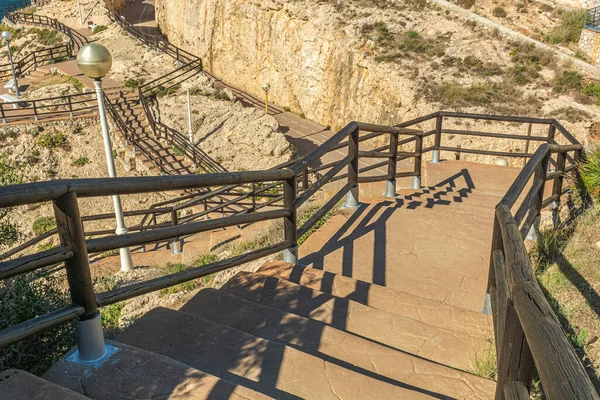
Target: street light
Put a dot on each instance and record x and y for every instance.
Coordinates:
(95, 61)
(6, 35)
(266, 87)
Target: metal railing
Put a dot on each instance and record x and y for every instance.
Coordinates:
(592, 19)
(43, 56)
(69, 106)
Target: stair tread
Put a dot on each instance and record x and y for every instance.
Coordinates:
(141, 374)
(20, 385)
(450, 348)
(344, 349)
(266, 366)
(383, 298)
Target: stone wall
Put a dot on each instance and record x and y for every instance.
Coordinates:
(589, 42)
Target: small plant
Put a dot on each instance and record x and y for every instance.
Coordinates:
(43, 225)
(110, 316)
(190, 285)
(499, 12)
(303, 116)
(44, 247)
(178, 151)
(51, 140)
(569, 30)
(80, 162)
(569, 80)
(484, 363)
(590, 172)
(8, 234)
(287, 109)
(132, 83)
(99, 28)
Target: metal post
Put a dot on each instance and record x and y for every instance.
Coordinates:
(12, 67)
(176, 241)
(390, 184)
(352, 196)
(89, 336)
(435, 159)
(126, 261)
(289, 198)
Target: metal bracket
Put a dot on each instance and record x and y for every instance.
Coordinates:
(110, 350)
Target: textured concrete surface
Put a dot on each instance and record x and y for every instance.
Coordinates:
(437, 344)
(135, 373)
(433, 243)
(266, 366)
(20, 385)
(383, 298)
(338, 347)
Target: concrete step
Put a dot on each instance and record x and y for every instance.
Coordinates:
(338, 347)
(443, 346)
(20, 385)
(393, 301)
(266, 366)
(140, 374)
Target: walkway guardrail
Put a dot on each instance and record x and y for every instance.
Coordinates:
(592, 19)
(528, 334)
(43, 56)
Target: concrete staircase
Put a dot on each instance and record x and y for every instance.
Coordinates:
(384, 304)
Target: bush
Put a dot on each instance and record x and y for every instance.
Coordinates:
(51, 140)
(26, 297)
(569, 30)
(132, 83)
(590, 172)
(99, 28)
(80, 162)
(593, 89)
(43, 225)
(190, 285)
(8, 234)
(499, 12)
(569, 80)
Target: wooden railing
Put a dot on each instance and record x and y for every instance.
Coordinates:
(528, 334)
(70, 106)
(43, 56)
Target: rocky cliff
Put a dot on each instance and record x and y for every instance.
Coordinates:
(376, 61)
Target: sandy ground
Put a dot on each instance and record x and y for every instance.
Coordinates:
(220, 126)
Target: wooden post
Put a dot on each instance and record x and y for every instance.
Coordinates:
(558, 187)
(70, 231)
(438, 139)
(536, 204)
(527, 144)
(290, 222)
(418, 162)
(70, 106)
(34, 110)
(352, 196)
(390, 184)
(305, 182)
(2, 111)
(253, 197)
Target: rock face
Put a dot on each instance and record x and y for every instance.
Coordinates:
(357, 61)
(313, 68)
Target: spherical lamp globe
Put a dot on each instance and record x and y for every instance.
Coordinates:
(502, 162)
(6, 35)
(94, 60)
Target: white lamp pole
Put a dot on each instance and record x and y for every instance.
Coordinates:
(7, 36)
(95, 61)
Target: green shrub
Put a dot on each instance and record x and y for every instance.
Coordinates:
(590, 172)
(303, 116)
(593, 89)
(110, 316)
(8, 234)
(26, 297)
(43, 225)
(569, 29)
(47, 37)
(499, 12)
(132, 83)
(178, 151)
(44, 247)
(99, 28)
(9, 172)
(569, 80)
(51, 140)
(80, 162)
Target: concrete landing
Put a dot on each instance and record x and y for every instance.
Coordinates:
(432, 243)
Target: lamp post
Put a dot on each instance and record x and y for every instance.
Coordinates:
(266, 87)
(95, 61)
(6, 35)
